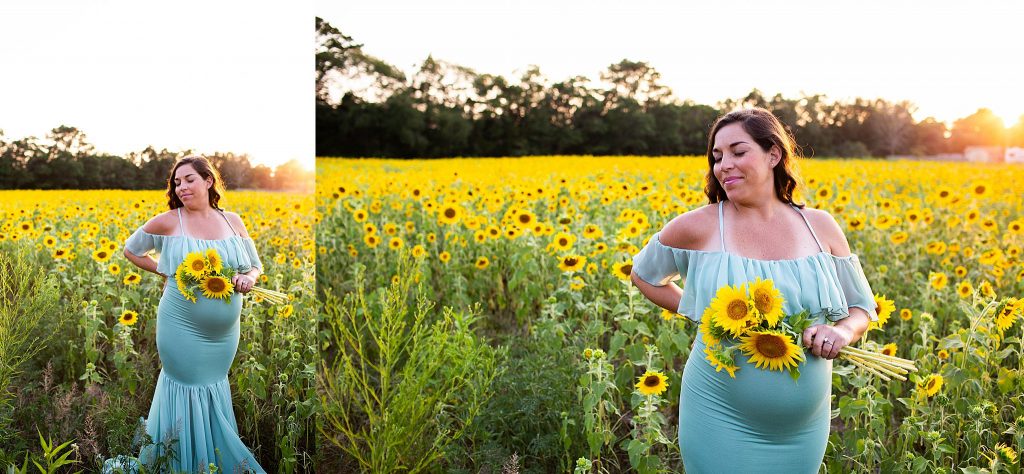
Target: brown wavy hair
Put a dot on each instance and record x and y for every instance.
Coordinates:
(766, 129)
(205, 170)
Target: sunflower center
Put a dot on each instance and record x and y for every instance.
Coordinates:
(931, 384)
(198, 265)
(102, 254)
(651, 381)
(627, 269)
(563, 242)
(570, 261)
(524, 218)
(770, 346)
(762, 301)
(737, 310)
(215, 285)
(449, 213)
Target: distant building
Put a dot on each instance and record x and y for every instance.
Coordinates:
(984, 154)
(1014, 154)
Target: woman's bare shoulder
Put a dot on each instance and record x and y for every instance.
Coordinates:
(237, 223)
(828, 231)
(165, 223)
(692, 229)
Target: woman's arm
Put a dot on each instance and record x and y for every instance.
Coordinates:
(254, 273)
(826, 340)
(159, 225)
(667, 296)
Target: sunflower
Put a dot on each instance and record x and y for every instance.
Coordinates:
(931, 385)
(524, 218)
(899, 237)
(732, 311)
(286, 311)
(216, 263)
(960, 271)
(563, 241)
(652, 382)
(592, 231)
(889, 349)
(128, 318)
(1007, 315)
(937, 280)
(418, 251)
(114, 269)
(769, 349)
(622, 270)
(49, 241)
(449, 214)
(942, 354)
(101, 255)
(196, 265)
(1006, 454)
(906, 314)
(720, 360)
(444, 256)
(884, 308)
(371, 240)
(216, 287)
(964, 289)
(767, 301)
(572, 263)
(709, 332)
(577, 284)
(132, 278)
(395, 243)
(482, 263)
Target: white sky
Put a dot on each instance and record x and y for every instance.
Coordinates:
(945, 57)
(207, 75)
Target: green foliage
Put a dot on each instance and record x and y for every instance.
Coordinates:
(27, 295)
(406, 381)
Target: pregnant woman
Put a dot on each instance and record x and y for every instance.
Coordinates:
(760, 421)
(196, 341)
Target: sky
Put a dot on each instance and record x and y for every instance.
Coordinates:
(228, 76)
(945, 57)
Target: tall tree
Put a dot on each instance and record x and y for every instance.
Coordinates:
(982, 128)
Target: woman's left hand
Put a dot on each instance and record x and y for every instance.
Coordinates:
(825, 341)
(243, 283)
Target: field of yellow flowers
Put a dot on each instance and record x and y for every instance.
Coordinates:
(95, 374)
(539, 248)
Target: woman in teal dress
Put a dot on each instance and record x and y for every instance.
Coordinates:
(191, 410)
(760, 421)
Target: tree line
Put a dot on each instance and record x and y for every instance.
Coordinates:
(66, 160)
(366, 107)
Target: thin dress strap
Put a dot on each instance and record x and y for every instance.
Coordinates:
(721, 225)
(809, 228)
(229, 222)
(181, 224)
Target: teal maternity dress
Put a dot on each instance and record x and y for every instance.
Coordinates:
(761, 421)
(196, 343)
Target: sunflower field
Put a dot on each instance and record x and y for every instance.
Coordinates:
(587, 376)
(94, 361)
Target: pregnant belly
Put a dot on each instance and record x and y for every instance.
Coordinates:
(197, 341)
(764, 401)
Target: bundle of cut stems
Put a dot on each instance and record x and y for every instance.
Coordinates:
(884, 366)
(274, 297)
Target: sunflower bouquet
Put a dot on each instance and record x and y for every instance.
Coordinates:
(204, 272)
(749, 318)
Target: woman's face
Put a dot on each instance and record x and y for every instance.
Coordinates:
(191, 188)
(742, 168)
